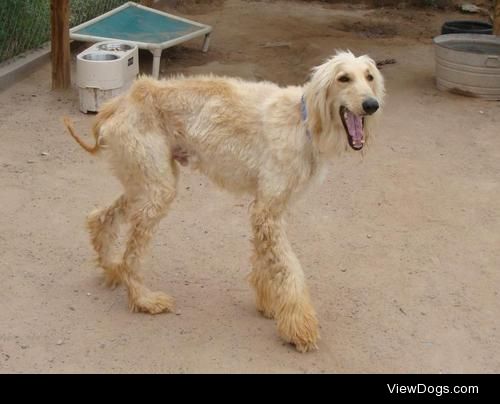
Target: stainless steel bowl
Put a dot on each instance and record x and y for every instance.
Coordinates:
(115, 47)
(99, 57)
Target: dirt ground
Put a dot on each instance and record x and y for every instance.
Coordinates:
(400, 248)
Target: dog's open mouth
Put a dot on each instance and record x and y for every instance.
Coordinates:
(353, 125)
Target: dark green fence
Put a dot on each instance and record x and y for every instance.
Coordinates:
(25, 24)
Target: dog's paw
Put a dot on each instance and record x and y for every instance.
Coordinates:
(112, 276)
(299, 328)
(265, 311)
(263, 295)
(304, 347)
(152, 303)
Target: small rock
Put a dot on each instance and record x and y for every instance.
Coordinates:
(59, 342)
(178, 313)
(481, 112)
(89, 294)
(45, 154)
(30, 161)
(369, 236)
(469, 8)
(384, 62)
(71, 308)
(343, 270)
(24, 346)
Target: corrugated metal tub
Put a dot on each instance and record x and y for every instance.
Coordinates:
(468, 64)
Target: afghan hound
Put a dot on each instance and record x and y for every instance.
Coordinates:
(248, 137)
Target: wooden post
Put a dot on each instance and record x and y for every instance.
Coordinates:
(496, 18)
(61, 60)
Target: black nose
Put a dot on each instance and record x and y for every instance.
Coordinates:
(370, 105)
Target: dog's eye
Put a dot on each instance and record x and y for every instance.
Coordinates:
(344, 79)
(369, 77)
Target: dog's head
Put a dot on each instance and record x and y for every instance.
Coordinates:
(343, 96)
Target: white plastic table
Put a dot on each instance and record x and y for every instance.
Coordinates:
(145, 27)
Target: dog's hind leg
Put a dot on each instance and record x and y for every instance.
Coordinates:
(278, 279)
(104, 225)
(146, 215)
(149, 175)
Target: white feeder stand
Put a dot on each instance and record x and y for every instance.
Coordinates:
(145, 27)
(104, 71)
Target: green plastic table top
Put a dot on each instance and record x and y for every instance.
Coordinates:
(138, 24)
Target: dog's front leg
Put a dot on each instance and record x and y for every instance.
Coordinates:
(278, 279)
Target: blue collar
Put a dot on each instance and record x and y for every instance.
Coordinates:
(303, 111)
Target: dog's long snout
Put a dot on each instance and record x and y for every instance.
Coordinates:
(370, 105)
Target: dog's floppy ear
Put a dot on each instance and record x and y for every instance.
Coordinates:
(317, 111)
(317, 93)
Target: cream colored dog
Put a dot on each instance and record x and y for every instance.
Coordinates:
(248, 137)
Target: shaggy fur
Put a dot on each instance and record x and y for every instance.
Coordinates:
(247, 137)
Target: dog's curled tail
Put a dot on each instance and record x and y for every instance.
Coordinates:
(106, 113)
(90, 149)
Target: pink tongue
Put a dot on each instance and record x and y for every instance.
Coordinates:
(355, 125)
